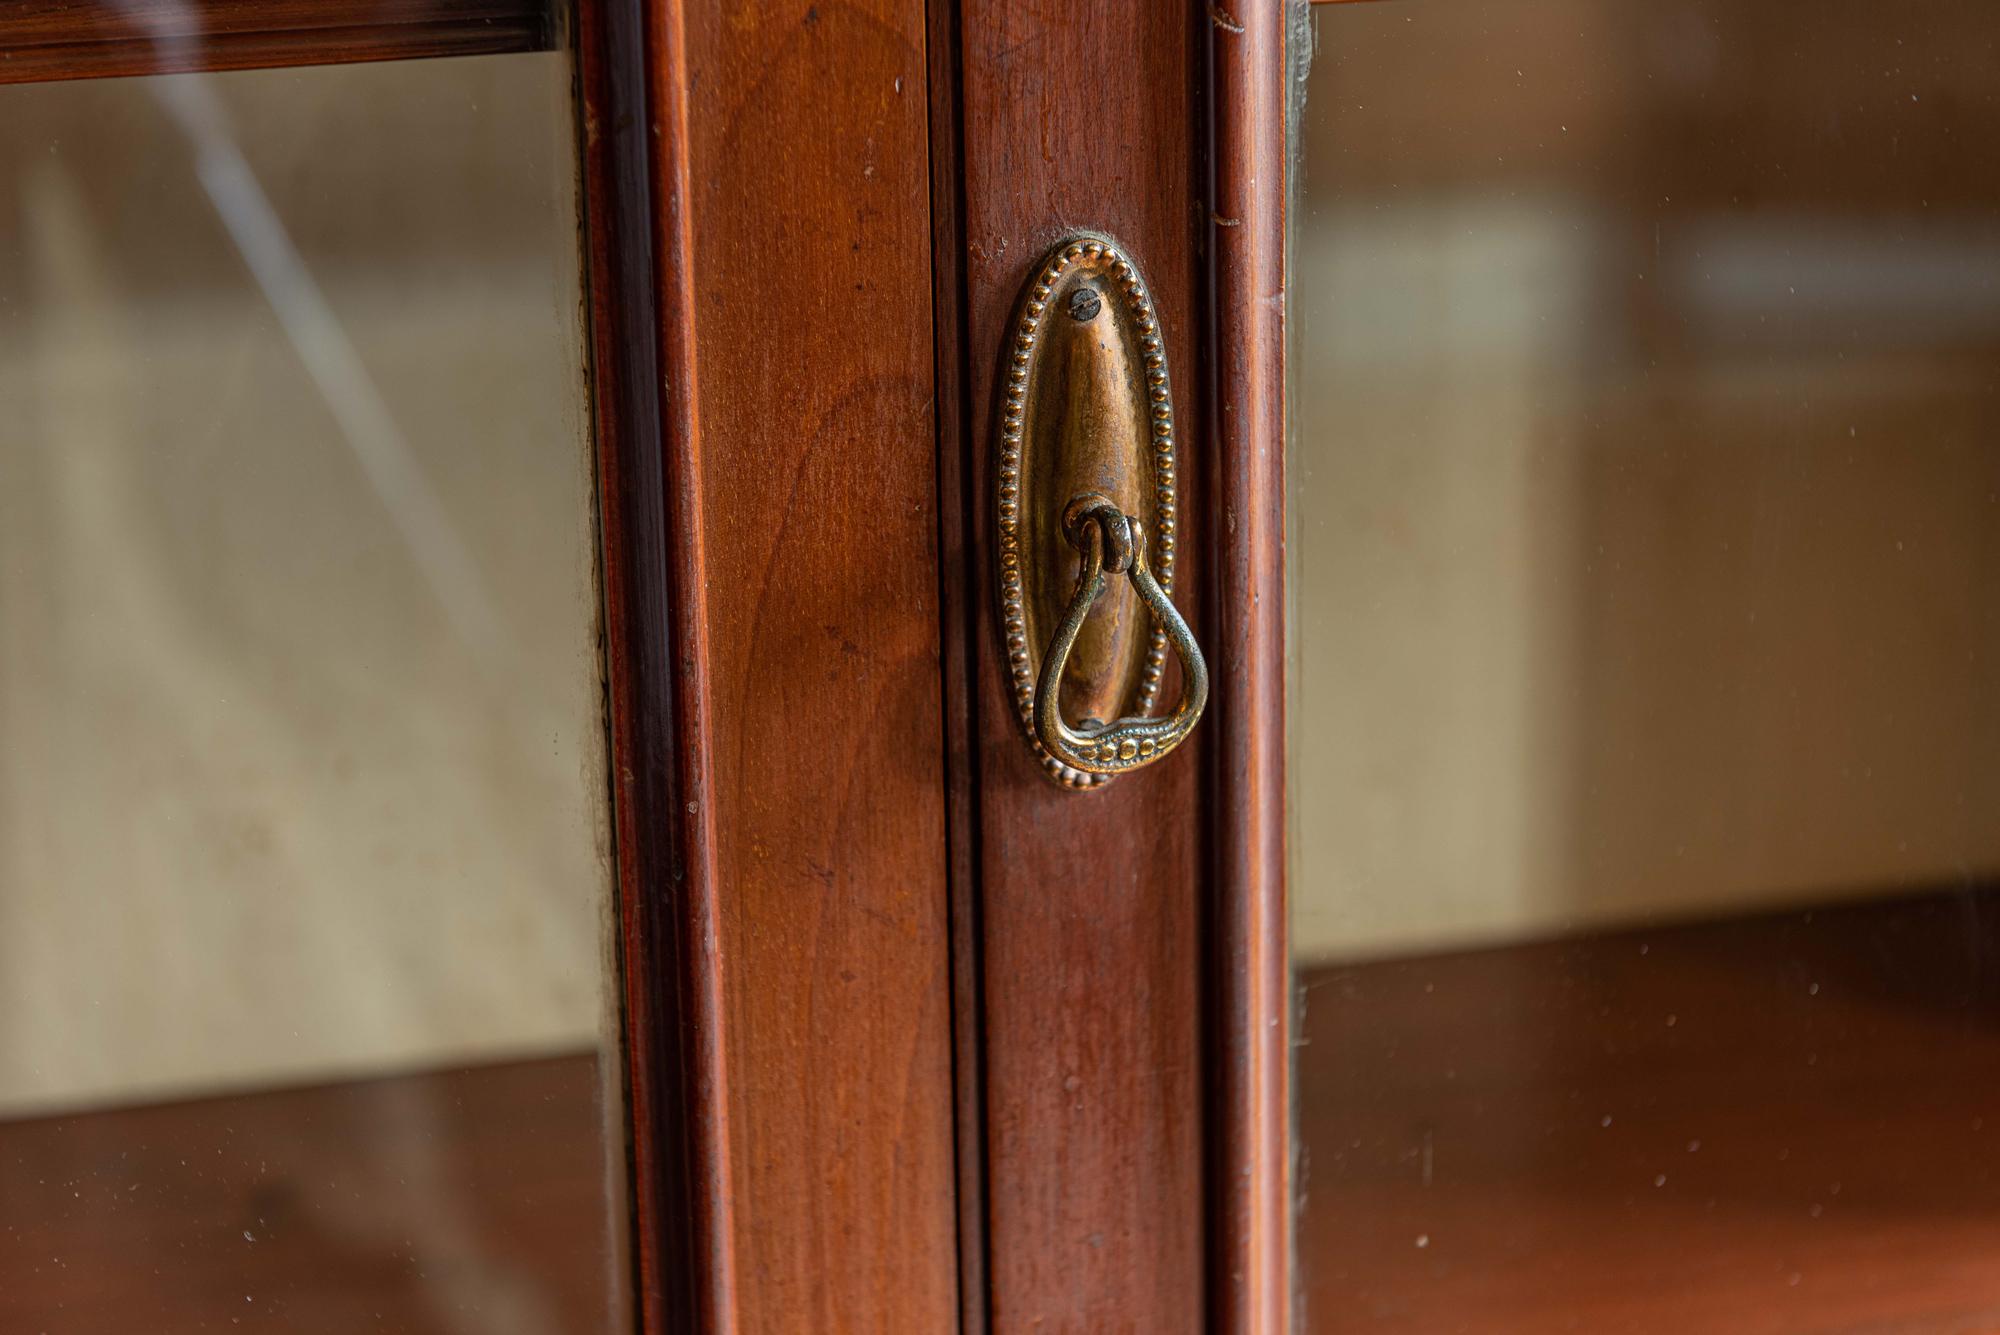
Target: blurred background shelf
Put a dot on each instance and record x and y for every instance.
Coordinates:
(437, 1202)
(1787, 1123)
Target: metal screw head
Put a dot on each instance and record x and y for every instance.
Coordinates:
(1084, 304)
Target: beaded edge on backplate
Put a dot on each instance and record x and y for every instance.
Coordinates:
(1104, 255)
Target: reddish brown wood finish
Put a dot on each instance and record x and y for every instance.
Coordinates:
(78, 39)
(1075, 116)
(1250, 962)
(792, 939)
(642, 343)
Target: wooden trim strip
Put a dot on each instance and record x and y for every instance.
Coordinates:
(45, 40)
(643, 378)
(961, 598)
(1249, 1282)
(697, 880)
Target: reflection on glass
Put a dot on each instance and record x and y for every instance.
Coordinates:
(1649, 793)
(302, 834)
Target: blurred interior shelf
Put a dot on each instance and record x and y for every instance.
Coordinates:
(1789, 1123)
(61, 39)
(445, 1201)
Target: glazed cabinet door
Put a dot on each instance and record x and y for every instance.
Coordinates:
(641, 666)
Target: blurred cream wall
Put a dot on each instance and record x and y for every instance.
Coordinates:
(1432, 526)
(278, 801)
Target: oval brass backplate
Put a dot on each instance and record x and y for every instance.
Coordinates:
(1085, 409)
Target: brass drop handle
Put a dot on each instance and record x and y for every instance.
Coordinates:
(1087, 458)
(1113, 541)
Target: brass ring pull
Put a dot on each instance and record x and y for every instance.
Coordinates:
(1111, 540)
(1087, 458)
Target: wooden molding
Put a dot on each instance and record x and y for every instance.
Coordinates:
(1250, 965)
(641, 337)
(961, 599)
(43, 40)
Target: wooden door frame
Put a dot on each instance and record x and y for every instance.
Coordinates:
(641, 75)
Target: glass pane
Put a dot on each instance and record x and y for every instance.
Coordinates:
(303, 834)
(1648, 520)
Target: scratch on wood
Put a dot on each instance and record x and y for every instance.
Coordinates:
(1222, 19)
(1221, 221)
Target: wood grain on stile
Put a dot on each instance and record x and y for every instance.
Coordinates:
(794, 923)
